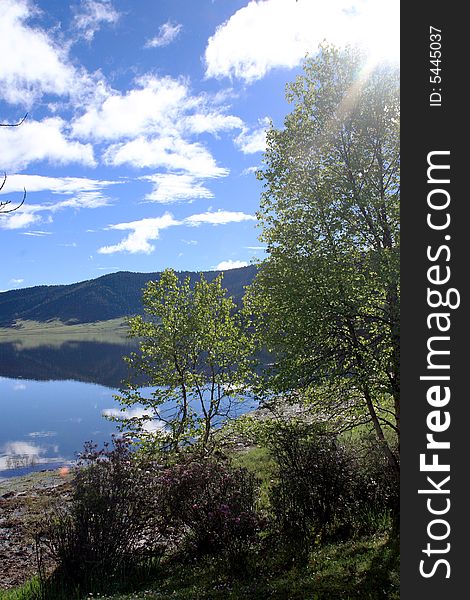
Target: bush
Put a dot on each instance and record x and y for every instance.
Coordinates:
(377, 487)
(326, 489)
(211, 506)
(313, 495)
(107, 526)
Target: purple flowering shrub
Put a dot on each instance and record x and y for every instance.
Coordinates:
(211, 504)
(105, 527)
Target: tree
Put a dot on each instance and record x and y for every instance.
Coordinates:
(195, 356)
(4, 204)
(327, 296)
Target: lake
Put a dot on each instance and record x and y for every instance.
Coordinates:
(52, 400)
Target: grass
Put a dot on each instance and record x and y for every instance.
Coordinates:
(32, 334)
(258, 460)
(28, 591)
(365, 569)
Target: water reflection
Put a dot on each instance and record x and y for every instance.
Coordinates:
(43, 424)
(22, 455)
(90, 362)
(53, 398)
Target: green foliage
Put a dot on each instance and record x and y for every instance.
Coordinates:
(325, 489)
(326, 299)
(194, 353)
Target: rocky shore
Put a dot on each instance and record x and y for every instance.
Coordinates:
(24, 502)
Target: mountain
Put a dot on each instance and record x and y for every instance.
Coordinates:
(107, 297)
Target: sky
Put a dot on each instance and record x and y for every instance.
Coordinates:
(146, 124)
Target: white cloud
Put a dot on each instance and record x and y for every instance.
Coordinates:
(226, 265)
(275, 33)
(147, 230)
(172, 187)
(155, 103)
(82, 192)
(220, 217)
(93, 199)
(36, 233)
(250, 142)
(56, 185)
(173, 153)
(41, 140)
(19, 220)
(32, 63)
(16, 281)
(166, 34)
(142, 232)
(250, 170)
(92, 14)
(153, 125)
(211, 123)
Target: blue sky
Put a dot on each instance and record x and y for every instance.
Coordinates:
(146, 122)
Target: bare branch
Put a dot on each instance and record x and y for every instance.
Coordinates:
(14, 124)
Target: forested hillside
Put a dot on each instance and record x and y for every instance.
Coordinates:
(107, 297)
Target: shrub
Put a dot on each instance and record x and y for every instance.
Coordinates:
(107, 526)
(377, 486)
(325, 488)
(211, 505)
(313, 495)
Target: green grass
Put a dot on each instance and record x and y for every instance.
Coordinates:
(31, 334)
(258, 460)
(365, 569)
(28, 591)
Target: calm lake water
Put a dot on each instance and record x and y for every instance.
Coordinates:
(52, 400)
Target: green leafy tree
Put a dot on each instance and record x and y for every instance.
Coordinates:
(195, 358)
(327, 296)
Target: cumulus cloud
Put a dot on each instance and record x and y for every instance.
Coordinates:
(167, 33)
(253, 141)
(142, 233)
(211, 122)
(274, 33)
(153, 126)
(226, 265)
(33, 64)
(20, 220)
(146, 230)
(56, 185)
(41, 140)
(92, 14)
(220, 217)
(171, 187)
(154, 103)
(170, 152)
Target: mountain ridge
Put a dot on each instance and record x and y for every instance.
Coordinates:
(107, 297)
